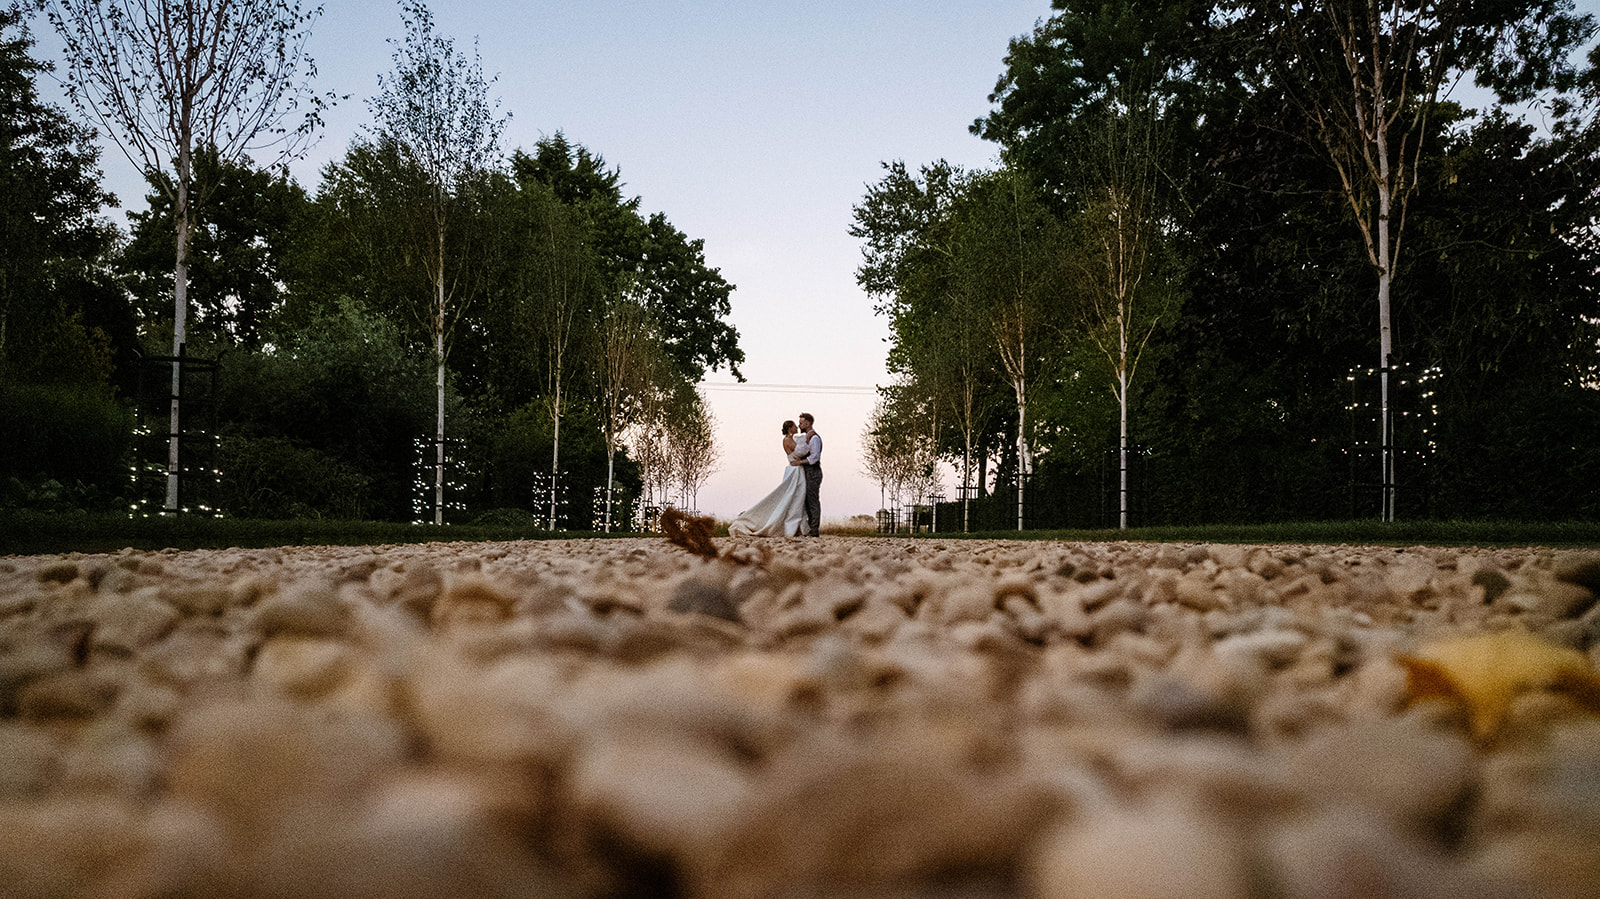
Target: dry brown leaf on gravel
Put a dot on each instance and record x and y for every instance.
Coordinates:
(689, 532)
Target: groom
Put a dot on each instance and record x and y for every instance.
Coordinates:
(812, 460)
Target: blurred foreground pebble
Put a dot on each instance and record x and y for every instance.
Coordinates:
(835, 717)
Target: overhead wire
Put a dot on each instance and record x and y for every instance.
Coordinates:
(817, 389)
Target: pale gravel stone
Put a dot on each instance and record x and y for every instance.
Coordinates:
(304, 668)
(1199, 591)
(29, 758)
(931, 717)
(1415, 776)
(1267, 649)
(198, 651)
(69, 846)
(71, 694)
(111, 759)
(307, 607)
(124, 624)
(1345, 851)
(1549, 597)
(658, 796)
(838, 818)
(1162, 851)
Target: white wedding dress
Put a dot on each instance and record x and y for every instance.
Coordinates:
(781, 513)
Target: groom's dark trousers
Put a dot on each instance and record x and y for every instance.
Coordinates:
(813, 499)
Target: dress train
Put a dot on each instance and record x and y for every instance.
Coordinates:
(781, 513)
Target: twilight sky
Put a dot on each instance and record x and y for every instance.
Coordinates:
(754, 125)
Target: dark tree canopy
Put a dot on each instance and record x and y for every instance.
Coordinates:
(52, 229)
(243, 235)
(1253, 409)
(423, 240)
(690, 299)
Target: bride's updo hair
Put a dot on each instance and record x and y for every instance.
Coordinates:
(787, 427)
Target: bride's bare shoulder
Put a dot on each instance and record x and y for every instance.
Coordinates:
(788, 444)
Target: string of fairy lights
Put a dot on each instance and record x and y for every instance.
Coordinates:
(1416, 414)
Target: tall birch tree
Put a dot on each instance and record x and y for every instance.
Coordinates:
(898, 447)
(943, 344)
(1009, 259)
(628, 366)
(162, 78)
(435, 108)
(877, 455)
(692, 438)
(556, 280)
(1117, 261)
(965, 356)
(647, 446)
(1367, 76)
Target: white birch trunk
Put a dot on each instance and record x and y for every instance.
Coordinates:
(438, 431)
(610, 482)
(180, 325)
(438, 354)
(555, 448)
(1367, 134)
(966, 485)
(1022, 444)
(1122, 451)
(1385, 340)
(1380, 134)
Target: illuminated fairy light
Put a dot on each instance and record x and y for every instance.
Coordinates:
(456, 475)
(1414, 411)
(622, 510)
(544, 485)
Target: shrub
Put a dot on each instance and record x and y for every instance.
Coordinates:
(71, 435)
(322, 422)
(276, 478)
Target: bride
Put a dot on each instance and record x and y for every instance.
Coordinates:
(781, 513)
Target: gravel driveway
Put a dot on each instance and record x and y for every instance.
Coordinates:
(830, 717)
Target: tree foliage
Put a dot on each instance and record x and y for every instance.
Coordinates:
(434, 111)
(51, 226)
(1121, 261)
(1009, 311)
(691, 444)
(64, 328)
(689, 299)
(1259, 400)
(329, 308)
(322, 424)
(632, 372)
(241, 241)
(165, 77)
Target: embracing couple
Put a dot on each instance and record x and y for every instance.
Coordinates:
(795, 508)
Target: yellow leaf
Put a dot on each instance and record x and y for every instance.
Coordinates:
(1485, 673)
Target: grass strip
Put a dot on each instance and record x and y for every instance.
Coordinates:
(1363, 532)
(34, 533)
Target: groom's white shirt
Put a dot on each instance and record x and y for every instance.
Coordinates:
(813, 454)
